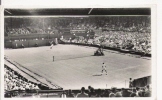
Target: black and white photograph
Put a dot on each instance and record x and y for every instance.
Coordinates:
(77, 53)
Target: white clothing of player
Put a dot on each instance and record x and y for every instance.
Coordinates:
(51, 45)
(104, 68)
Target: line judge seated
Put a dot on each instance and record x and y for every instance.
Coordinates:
(36, 44)
(16, 46)
(22, 45)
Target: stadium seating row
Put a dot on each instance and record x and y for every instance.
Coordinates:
(90, 92)
(36, 25)
(28, 43)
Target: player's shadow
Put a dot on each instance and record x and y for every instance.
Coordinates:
(97, 75)
(97, 55)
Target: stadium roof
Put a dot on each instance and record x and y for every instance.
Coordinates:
(76, 11)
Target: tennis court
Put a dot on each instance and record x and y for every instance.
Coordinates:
(75, 66)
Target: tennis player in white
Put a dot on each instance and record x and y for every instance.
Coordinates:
(51, 44)
(104, 68)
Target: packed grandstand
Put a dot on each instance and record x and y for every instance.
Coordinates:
(128, 34)
(132, 32)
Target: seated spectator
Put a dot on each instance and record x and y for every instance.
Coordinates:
(92, 92)
(137, 91)
(105, 93)
(22, 45)
(82, 94)
(118, 94)
(125, 93)
(147, 91)
(89, 90)
(36, 87)
(111, 95)
(133, 94)
(141, 93)
(16, 46)
(36, 44)
(113, 91)
(99, 93)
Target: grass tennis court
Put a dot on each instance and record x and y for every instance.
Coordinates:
(75, 66)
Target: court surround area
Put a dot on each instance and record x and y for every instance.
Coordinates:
(75, 66)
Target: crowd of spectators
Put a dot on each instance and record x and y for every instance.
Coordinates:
(125, 32)
(14, 81)
(113, 92)
(43, 25)
(134, 41)
(29, 30)
(16, 31)
(139, 42)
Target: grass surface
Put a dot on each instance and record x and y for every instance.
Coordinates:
(74, 66)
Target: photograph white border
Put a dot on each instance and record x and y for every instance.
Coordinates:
(153, 40)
